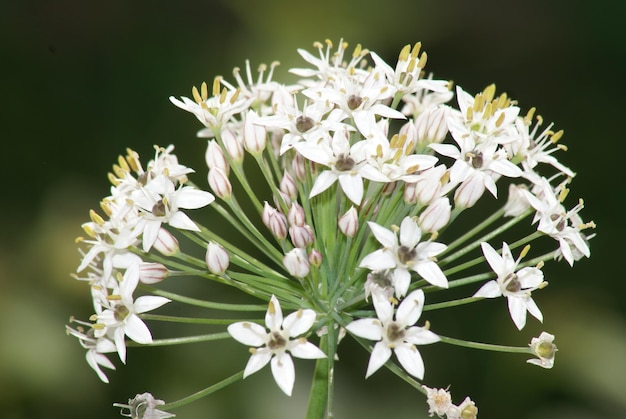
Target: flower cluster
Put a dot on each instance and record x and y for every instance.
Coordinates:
(348, 184)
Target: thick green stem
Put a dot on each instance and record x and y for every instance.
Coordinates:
(318, 398)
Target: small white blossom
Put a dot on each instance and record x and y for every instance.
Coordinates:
(395, 334)
(545, 350)
(277, 344)
(144, 406)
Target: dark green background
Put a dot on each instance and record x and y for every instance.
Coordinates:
(81, 81)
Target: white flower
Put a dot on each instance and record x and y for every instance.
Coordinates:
(275, 344)
(466, 410)
(96, 348)
(144, 406)
(543, 347)
(515, 286)
(404, 252)
(439, 401)
(397, 335)
(121, 316)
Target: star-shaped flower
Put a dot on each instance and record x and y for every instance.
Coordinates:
(404, 252)
(275, 344)
(515, 286)
(399, 334)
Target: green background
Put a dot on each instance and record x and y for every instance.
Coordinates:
(81, 81)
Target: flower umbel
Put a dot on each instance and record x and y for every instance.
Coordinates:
(341, 199)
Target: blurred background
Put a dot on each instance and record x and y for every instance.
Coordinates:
(81, 81)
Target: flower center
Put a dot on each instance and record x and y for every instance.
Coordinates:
(546, 350)
(344, 163)
(277, 341)
(395, 332)
(354, 102)
(512, 283)
(406, 254)
(160, 208)
(304, 123)
(560, 221)
(381, 278)
(476, 159)
(120, 312)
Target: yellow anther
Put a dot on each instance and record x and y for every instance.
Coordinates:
(423, 58)
(196, 95)
(235, 95)
(563, 194)
(223, 96)
(404, 53)
(217, 81)
(489, 92)
(121, 161)
(445, 177)
(299, 313)
(96, 218)
(394, 141)
(540, 264)
(411, 67)
(529, 116)
(271, 309)
(79, 239)
(434, 235)
(133, 160)
(114, 297)
(556, 136)
(328, 43)
(416, 49)
(114, 180)
(379, 150)
(469, 115)
(426, 325)
(524, 251)
(479, 103)
(318, 45)
(357, 51)
(500, 120)
(543, 285)
(106, 207)
(204, 91)
(489, 111)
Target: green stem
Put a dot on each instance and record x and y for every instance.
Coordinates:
(190, 320)
(183, 340)
(203, 303)
(486, 346)
(203, 393)
(318, 398)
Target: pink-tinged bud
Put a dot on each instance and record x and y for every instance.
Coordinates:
(232, 144)
(349, 222)
(436, 215)
(469, 192)
(408, 195)
(215, 157)
(288, 186)
(219, 183)
(430, 184)
(275, 221)
(388, 188)
(298, 165)
(282, 199)
(301, 236)
(432, 126)
(315, 258)
(296, 216)
(166, 243)
(152, 273)
(254, 136)
(297, 263)
(217, 259)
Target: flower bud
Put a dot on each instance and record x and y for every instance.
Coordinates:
(315, 258)
(215, 157)
(275, 221)
(152, 273)
(296, 216)
(432, 126)
(298, 166)
(349, 222)
(217, 258)
(409, 194)
(436, 215)
(288, 186)
(517, 202)
(297, 263)
(166, 243)
(219, 183)
(232, 144)
(301, 236)
(254, 136)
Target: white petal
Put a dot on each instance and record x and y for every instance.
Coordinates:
(258, 360)
(401, 281)
(352, 186)
(324, 181)
(490, 290)
(274, 315)
(410, 309)
(420, 336)
(493, 258)
(192, 198)
(137, 330)
(148, 303)
(431, 272)
(378, 260)
(306, 350)
(410, 233)
(284, 372)
(384, 236)
(532, 308)
(181, 221)
(251, 334)
(380, 354)
(366, 328)
(411, 360)
(517, 308)
(299, 322)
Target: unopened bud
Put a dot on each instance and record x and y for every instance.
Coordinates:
(297, 263)
(296, 216)
(349, 222)
(436, 215)
(152, 273)
(219, 183)
(215, 157)
(275, 221)
(301, 236)
(166, 243)
(254, 136)
(217, 258)
(315, 258)
(288, 186)
(232, 144)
